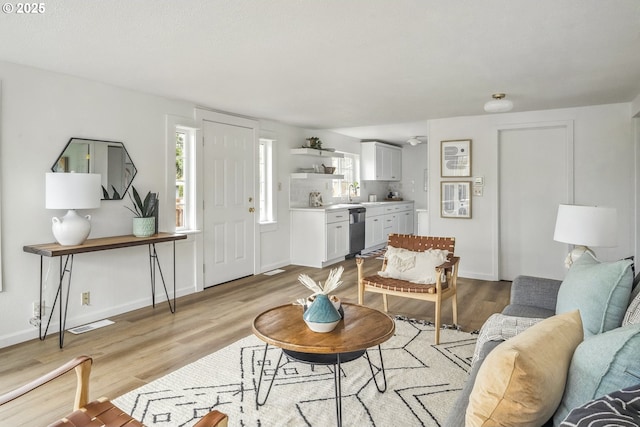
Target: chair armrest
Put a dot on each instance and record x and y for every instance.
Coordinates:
(449, 263)
(535, 291)
(82, 365)
(213, 419)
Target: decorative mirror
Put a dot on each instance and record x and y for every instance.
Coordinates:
(108, 158)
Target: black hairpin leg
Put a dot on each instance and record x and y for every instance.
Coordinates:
(154, 263)
(373, 375)
(264, 358)
(65, 269)
(338, 389)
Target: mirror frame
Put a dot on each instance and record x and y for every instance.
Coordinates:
(56, 165)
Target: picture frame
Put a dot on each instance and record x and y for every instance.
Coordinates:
(455, 158)
(455, 199)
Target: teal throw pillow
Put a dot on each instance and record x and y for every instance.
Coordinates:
(600, 290)
(600, 365)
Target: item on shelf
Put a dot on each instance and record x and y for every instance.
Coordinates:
(314, 142)
(315, 199)
(329, 169)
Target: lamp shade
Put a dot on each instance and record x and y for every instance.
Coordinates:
(73, 190)
(586, 226)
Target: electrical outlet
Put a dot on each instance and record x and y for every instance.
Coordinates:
(36, 309)
(86, 298)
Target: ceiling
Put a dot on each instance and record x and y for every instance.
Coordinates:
(366, 68)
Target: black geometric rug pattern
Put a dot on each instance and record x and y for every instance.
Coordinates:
(423, 380)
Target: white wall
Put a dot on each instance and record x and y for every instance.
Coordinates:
(604, 175)
(41, 111)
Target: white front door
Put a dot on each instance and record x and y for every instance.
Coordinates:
(229, 201)
(535, 166)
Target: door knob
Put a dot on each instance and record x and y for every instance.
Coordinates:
(252, 210)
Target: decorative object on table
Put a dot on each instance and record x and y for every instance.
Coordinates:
(329, 169)
(145, 211)
(72, 191)
(455, 158)
(314, 142)
(321, 315)
(455, 199)
(315, 199)
(584, 226)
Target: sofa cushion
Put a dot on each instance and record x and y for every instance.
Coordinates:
(600, 290)
(415, 267)
(520, 383)
(620, 408)
(600, 365)
(632, 315)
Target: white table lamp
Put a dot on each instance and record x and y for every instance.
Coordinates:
(585, 226)
(72, 191)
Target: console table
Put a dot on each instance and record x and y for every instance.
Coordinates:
(94, 245)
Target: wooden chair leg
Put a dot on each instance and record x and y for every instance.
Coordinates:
(454, 307)
(385, 302)
(359, 265)
(437, 322)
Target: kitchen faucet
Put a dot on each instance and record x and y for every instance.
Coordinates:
(353, 187)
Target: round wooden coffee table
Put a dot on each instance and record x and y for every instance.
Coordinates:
(361, 328)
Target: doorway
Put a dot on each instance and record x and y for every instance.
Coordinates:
(535, 176)
(228, 176)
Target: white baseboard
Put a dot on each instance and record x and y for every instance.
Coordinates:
(31, 332)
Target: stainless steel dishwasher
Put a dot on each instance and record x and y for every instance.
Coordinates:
(356, 230)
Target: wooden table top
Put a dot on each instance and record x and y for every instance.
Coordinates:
(361, 328)
(100, 244)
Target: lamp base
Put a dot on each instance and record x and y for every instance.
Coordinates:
(72, 229)
(576, 253)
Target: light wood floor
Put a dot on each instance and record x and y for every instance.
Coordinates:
(145, 344)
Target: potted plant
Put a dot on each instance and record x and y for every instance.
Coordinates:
(144, 222)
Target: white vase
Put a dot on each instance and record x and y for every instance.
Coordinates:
(144, 227)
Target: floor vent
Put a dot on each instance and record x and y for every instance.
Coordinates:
(272, 272)
(90, 327)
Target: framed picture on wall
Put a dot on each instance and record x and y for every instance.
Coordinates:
(455, 199)
(455, 158)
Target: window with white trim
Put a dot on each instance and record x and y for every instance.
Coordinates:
(184, 195)
(349, 166)
(266, 170)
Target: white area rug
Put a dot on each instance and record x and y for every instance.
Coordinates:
(423, 381)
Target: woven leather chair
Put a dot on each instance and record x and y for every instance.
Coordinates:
(443, 289)
(99, 413)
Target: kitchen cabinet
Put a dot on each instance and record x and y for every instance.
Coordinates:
(381, 162)
(374, 228)
(318, 237)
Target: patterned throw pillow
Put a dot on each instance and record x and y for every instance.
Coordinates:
(415, 267)
(620, 408)
(632, 316)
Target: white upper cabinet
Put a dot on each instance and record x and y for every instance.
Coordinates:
(381, 162)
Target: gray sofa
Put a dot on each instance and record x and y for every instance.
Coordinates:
(607, 359)
(530, 297)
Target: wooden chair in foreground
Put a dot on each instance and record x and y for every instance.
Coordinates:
(443, 288)
(101, 412)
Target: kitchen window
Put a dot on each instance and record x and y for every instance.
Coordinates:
(349, 166)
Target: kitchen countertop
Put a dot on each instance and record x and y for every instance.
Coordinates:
(345, 206)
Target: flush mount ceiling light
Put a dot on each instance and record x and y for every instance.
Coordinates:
(498, 104)
(415, 140)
